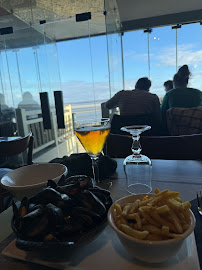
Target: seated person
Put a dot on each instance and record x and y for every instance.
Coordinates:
(168, 85)
(181, 96)
(138, 101)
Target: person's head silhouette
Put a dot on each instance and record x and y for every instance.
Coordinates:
(181, 78)
(143, 84)
(168, 85)
(27, 100)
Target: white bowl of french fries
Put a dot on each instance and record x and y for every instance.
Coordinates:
(152, 227)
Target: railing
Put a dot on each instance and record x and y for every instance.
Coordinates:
(32, 120)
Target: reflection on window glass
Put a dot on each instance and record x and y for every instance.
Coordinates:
(12, 56)
(115, 62)
(6, 83)
(8, 125)
(28, 76)
(190, 52)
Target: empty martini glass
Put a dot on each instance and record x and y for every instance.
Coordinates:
(137, 167)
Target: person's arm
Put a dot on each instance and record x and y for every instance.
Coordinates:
(157, 111)
(113, 102)
(164, 108)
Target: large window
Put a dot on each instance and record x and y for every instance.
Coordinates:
(160, 53)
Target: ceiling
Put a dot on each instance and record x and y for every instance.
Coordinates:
(26, 18)
(136, 14)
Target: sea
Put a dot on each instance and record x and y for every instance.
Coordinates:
(87, 110)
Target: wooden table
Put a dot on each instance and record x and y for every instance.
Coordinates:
(184, 176)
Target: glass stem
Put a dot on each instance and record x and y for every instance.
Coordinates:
(95, 170)
(136, 147)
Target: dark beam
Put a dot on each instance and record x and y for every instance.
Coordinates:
(169, 19)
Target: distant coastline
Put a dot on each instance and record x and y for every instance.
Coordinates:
(86, 109)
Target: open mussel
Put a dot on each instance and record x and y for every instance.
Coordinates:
(49, 195)
(88, 200)
(38, 222)
(103, 195)
(84, 181)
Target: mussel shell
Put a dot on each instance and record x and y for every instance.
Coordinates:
(69, 189)
(84, 181)
(105, 192)
(34, 224)
(86, 213)
(48, 195)
(55, 215)
(62, 180)
(88, 200)
(51, 184)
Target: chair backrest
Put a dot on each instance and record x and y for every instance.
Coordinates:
(157, 147)
(17, 146)
(119, 121)
(184, 121)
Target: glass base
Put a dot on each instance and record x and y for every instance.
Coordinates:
(139, 189)
(137, 159)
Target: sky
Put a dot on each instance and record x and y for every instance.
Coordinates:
(80, 68)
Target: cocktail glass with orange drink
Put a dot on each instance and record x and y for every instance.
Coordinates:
(93, 134)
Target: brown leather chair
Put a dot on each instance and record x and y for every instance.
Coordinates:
(9, 149)
(185, 147)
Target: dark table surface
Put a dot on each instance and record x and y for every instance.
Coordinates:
(184, 176)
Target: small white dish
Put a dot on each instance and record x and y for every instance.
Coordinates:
(29, 180)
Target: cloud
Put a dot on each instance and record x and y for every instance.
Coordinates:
(187, 54)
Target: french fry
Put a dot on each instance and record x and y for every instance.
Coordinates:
(156, 190)
(186, 205)
(135, 206)
(162, 209)
(176, 222)
(175, 204)
(165, 230)
(148, 218)
(126, 209)
(118, 208)
(132, 232)
(151, 229)
(163, 192)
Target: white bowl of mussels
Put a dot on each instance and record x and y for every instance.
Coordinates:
(68, 214)
(29, 180)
